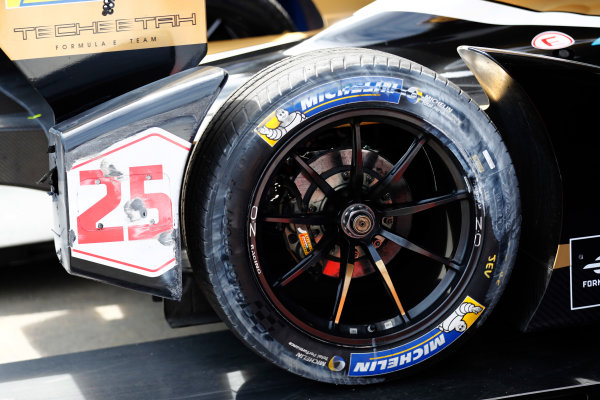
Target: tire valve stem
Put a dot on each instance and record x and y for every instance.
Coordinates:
(346, 175)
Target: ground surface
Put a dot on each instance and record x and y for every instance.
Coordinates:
(63, 337)
(46, 312)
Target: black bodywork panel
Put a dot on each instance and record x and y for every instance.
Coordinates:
(73, 84)
(59, 87)
(25, 118)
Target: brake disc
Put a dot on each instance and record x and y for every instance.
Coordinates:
(335, 167)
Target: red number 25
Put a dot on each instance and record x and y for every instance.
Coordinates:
(88, 229)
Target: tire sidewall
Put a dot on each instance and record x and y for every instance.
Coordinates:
(457, 123)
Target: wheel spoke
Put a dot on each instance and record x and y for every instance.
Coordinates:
(316, 178)
(422, 205)
(397, 171)
(346, 272)
(386, 277)
(417, 249)
(299, 219)
(356, 174)
(307, 262)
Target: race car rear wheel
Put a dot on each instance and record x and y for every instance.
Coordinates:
(351, 214)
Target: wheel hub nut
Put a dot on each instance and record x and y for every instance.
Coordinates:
(362, 224)
(358, 221)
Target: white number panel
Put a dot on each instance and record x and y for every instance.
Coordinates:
(124, 203)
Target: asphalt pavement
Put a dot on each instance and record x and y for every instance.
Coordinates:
(63, 337)
(46, 312)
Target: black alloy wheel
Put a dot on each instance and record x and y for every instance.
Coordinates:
(378, 237)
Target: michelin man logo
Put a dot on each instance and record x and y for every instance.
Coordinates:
(418, 349)
(287, 121)
(456, 322)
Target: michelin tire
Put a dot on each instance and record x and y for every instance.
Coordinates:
(348, 266)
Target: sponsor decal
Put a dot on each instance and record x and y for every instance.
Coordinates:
(324, 97)
(414, 95)
(552, 40)
(585, 272)
(336, 364)
(73, 27)
(255, 259)
(108, 8)
(440, 107)
(305, 241)
(489, 266)
(478, 229)
(594, 266)
(346, 91)
(310, 356)
(418, 350)
(252, 233)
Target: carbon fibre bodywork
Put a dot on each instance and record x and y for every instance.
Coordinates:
(177, 105)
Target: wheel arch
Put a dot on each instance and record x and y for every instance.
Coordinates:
(516, 85)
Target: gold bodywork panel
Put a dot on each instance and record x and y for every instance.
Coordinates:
(563, 256)
(335, 10)
(220, 46)
(331, 12)
(49, 28)
(591, 7)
